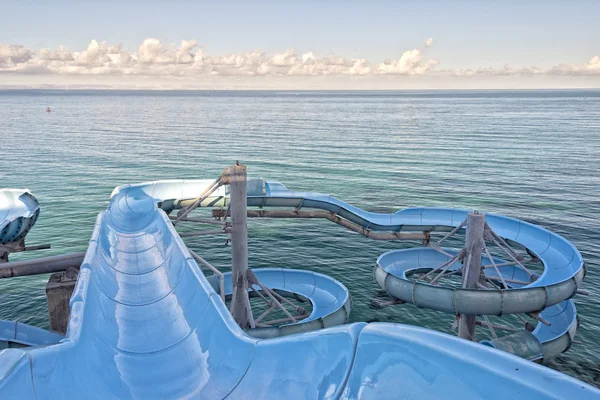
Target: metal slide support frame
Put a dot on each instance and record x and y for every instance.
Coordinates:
(472, 269)
(331, 216)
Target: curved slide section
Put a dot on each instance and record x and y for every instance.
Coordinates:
(392, 274)
(545, 342)
(563, 264)
(145, 323)
(330, 299)
(564, 268)
(19, 210)
(393, 266)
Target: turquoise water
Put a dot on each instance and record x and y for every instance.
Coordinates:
(531, 155)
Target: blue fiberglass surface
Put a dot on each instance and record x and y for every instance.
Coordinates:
(560, 258)
(404, 362)
(399, 263)
(146, 324)
(563, 264)
(326, 294)
(26, 335)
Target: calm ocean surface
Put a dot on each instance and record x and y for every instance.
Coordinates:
(533, 155)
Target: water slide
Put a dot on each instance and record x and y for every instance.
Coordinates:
(18, 212)
(544, 343)
(550, 292)
(146, 323)
(330, 300)
(563, 268)
(17, 334)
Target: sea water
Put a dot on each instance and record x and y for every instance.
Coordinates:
(533, 155)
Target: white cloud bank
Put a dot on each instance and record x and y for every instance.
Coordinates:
(188, 61)
(153, 58)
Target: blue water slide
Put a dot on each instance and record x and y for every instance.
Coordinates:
(146, 324)
(17, 334)
(550, 293)
(19, 210)
(393, 270)
(563, 264)
(330, 300)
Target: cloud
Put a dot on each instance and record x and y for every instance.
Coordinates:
(61, 54)
(153, 51)
(99, 55)
(591, 67)
(154, 58)
(188, 60)
(286, 59)
(13, 54)
(411, 62)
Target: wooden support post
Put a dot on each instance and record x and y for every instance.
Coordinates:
(58, 291)
(474, 243)
(242, 313)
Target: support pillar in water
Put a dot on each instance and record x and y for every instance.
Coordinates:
(240, 307)
(474, 242)
(58, 292)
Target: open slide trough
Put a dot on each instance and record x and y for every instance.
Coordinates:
(146, 323)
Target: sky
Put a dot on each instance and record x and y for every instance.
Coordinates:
(300, 44)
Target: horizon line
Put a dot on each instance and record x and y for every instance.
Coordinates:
(149, 89)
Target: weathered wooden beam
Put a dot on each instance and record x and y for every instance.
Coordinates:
(200, 220)
(203, 233)
(214, 270)
(58, 292)
(474, 243)
(44, 265)
(240, 304)
(17, 247)
(210, 201)
(331, 217)
(198, 201)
